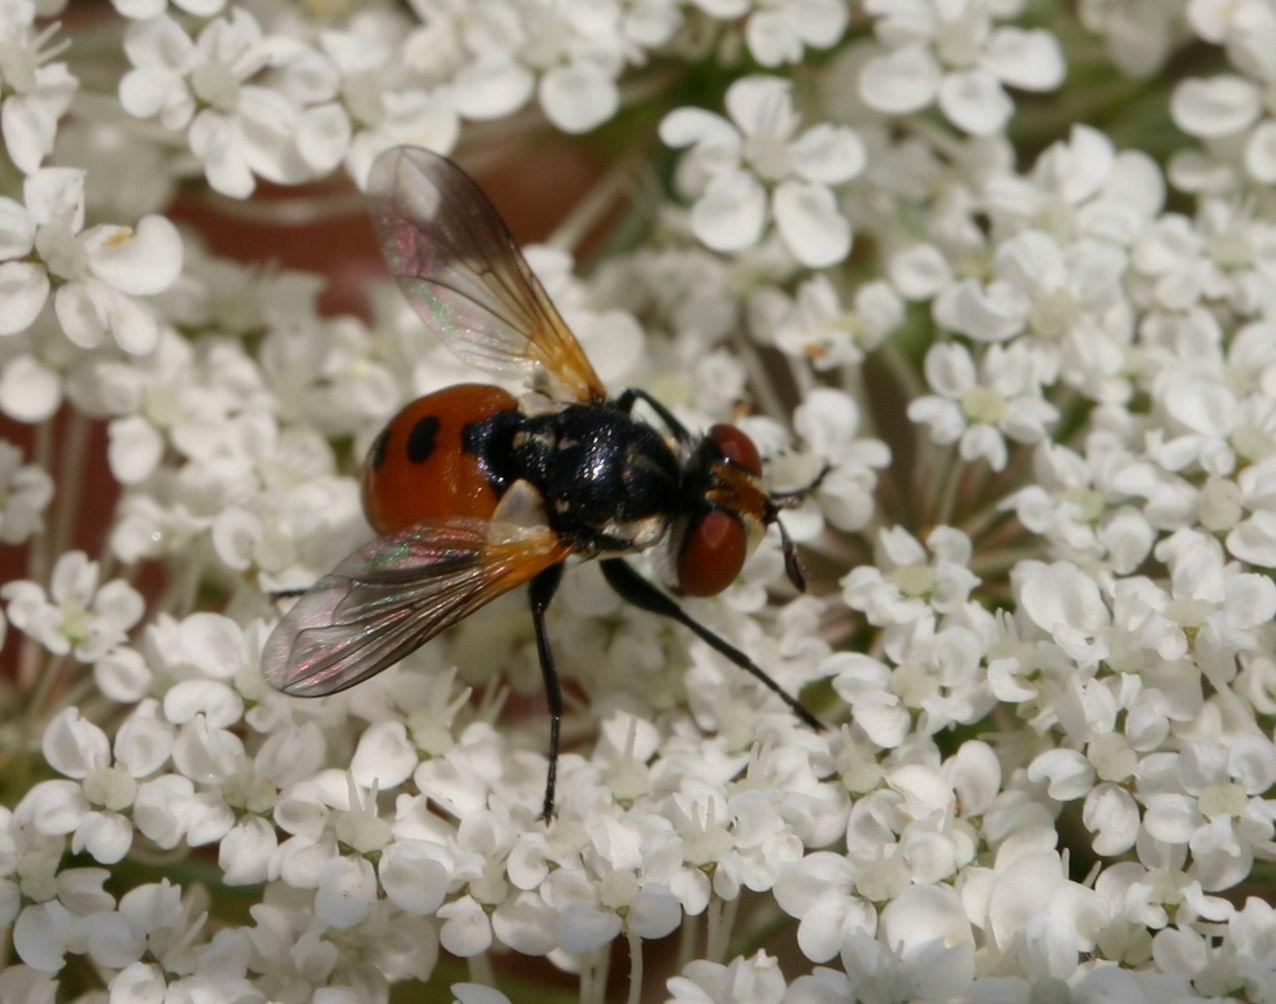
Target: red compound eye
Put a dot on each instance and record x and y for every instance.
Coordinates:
(713, 555)
(737, 447)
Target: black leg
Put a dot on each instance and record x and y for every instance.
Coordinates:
(284, 594)
(792, 563)
(626, 402)
(542, 591)
(641, 593)
(794, 496)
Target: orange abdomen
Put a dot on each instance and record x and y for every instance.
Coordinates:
(418, 467)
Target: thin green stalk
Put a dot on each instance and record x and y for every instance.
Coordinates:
(480, 968)
(635, 968)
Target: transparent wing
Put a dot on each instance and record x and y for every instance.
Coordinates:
(396, 593)
(457, 262)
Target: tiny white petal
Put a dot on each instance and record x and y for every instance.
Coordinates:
(29, 390)
(582, 927)
(1219, 106)
(1029, 60)
(384, 756)
(904, 81)
(576, 98)
(975, 101)
(134, 449)
(731, 213)
(811, 224)
(347, 890)
(466, 930)
(24, 286)
(414, 877)
(73, 745)
(141, 261)
(40, 935)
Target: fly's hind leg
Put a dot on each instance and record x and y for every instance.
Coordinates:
(641, 593)
(543, 588)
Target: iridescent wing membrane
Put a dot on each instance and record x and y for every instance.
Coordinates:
(395, 594)
(458, 264)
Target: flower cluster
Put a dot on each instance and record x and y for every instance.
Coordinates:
(995, 279)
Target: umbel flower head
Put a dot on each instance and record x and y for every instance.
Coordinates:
(987, 287)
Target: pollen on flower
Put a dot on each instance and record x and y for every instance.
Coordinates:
(1221, 800)
(984, 404)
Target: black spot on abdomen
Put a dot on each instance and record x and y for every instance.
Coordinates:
(378, 449)
(421, 439)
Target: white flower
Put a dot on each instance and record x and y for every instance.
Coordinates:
(64, 904)
(237, 128)
(76, 616)
(475, 50)
(1139, 33)
(37, 91)
(25, 491)
(816, 326)
(820, 890)
(753, 980)
(1003, 399)
(142, 10)
(925, 953)
(1231, 112)
(382, 103)
(778, 32)
(477, 993)
(731, 163)
(949, 51)
(97, 273)
(908, 582)
(1045, 920)
(829, 422)
(1080, 188)
(577, 49)
(1065, 603)
(93, 809)
(1220, 813)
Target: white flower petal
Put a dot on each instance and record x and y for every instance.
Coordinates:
(829, 154)
(973, 100)
(904, 81)
(40, 935)
(578, 97)
(810, 223)
(1219, 106)
(525, 923)
(29, 390)
(140, 261)
(73, 745)
(731, 213)
(384, 756)
(24, 286)
(1029, 60)
(414, 876)
(582, 927)
(134, 449)
(347, 890)
(466, 930)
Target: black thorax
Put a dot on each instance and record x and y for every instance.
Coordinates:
(596, 467)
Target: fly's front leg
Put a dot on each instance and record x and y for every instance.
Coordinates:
(543, 588)
(626, 404)
(641, 593)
